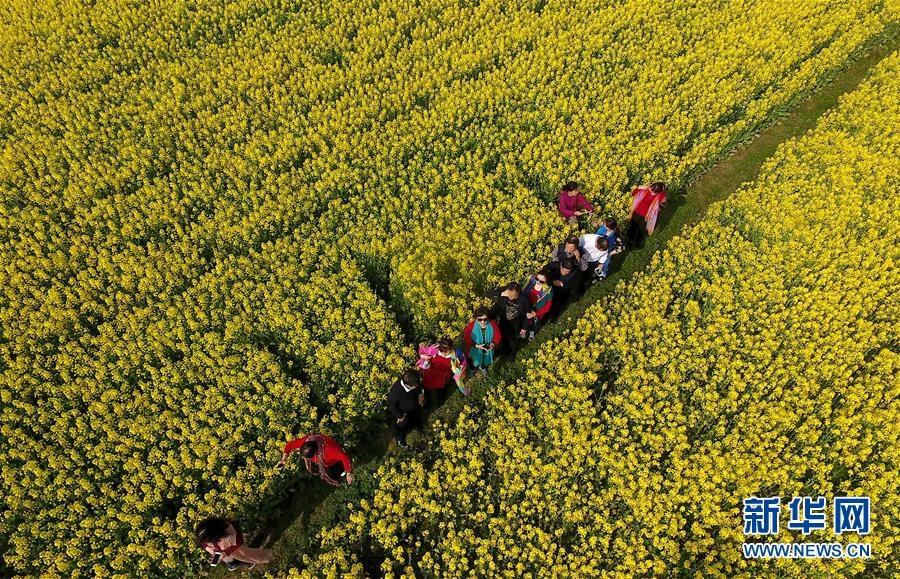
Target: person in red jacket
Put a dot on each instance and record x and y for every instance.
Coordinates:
(572, 204)
(332, 464)
(442, 364)
(481, 336)
(644, 211)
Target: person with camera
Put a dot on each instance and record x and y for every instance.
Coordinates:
(324, 457)
(223, 540)
(482, 337)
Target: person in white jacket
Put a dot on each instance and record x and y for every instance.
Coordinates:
(595, 249)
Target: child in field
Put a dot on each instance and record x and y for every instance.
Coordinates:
(596, 250)
(609, 231)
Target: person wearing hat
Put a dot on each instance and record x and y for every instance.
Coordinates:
(404, 402)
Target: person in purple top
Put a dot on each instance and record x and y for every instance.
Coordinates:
(572, 204)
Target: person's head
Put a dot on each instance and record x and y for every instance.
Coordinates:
(611, 224)
(602, 243)
(658, 187)
(542, 276)
(481, 317)
(571, 243)
(514, 288)
(210, 530)
(410, 377)
(570, 188)
(566, 266)
(309, 448)
(445, 345)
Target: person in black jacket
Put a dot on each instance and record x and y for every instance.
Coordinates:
(565, 277)
(510, 309)
(404, 402)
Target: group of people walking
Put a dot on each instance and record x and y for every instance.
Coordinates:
(516, 314)
(518, 311)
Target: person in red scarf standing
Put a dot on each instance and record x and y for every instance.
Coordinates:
(323, 456)
(644, 211)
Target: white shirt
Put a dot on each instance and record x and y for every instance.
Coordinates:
(405, 387)
(588, 244)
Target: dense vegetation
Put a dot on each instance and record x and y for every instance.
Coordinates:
(757, 356)
(222, 222)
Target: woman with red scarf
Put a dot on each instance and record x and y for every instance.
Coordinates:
(644, 211)
(539, 292)
(332, 464)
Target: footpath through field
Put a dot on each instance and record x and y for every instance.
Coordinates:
(313, 504)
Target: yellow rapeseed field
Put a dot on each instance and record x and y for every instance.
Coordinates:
(757, 356)
(223, 221)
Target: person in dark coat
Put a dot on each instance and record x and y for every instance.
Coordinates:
(565, 277)
(510, 309)
(404, 403)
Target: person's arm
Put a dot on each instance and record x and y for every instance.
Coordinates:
(497, 335)
(251, 555)
(393, 402)
(291, 447)
(584, 203)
